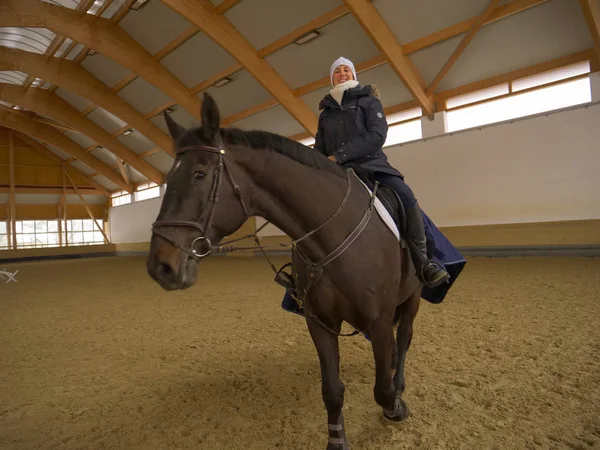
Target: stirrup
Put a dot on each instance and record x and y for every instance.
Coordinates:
(439, 267)
(285, 279)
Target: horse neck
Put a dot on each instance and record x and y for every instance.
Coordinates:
(297, 199)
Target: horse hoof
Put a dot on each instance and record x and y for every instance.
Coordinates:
(400, 412)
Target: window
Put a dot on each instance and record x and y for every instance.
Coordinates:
(551, 90)
(120, 198)
(404, 132)
(3, 236)
(83, 232)
(37, 233)
(519, 105)
(147, 192)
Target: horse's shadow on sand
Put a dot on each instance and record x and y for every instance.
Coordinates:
(262, 403)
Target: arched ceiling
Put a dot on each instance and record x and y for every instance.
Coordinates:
(95, 76)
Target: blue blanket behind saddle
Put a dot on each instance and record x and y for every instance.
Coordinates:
(443, 251)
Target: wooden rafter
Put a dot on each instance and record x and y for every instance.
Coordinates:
(74, 78)
(12, 199)
(58, 162)
(202, 13)
(591, 11)
(56, 108)
(462, 46)
(23, 124)
(103, 36)
(57, 190)
(380, 33)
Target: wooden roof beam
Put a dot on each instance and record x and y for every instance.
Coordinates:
(46, 133)
(101, 35)
(59, 162)
(591, 11)
(378, 30)
(48, 190)
(74, 78)
(54, 107)
(462, 46)
(203, 14)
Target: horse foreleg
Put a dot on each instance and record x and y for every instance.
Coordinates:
(386, 394)
(327, 347)
(408, 312)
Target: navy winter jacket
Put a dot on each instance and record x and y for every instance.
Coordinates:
(355, 131)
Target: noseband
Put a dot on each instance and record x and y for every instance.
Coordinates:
(213, 199)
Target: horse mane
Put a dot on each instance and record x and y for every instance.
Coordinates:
(303, 154)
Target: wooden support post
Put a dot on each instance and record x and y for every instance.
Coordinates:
(8, 227)
(87, 208)
(63, 200)
(59, 215)
(12, 197)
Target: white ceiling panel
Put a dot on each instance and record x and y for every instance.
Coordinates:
(182, 117)
(161, 161)
(143, 96)
(197, 59)
(553, 29)
(154, 25)
(275, 120)
(137, 142)
(81, 139)
(300, 65)
(265, 21)
(3, 198)
(106, 120)
(430, 60)
(105, 156)
(13, 77)
(101, 179)
(314, 98)
(410, 19)
(58, 152)
(82, 167)
(36, 40)
(134, 175)
(243, 92)
(159, 121)
(105, 69)
(37, 199)
(74, 100)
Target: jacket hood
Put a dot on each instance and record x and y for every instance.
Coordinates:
(358, 91)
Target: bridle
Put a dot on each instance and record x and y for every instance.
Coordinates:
(314, 269)
(213, 200)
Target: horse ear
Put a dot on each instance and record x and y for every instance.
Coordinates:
(211, 120)
(175, 130)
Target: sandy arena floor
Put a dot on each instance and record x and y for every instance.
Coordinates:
(94, 355)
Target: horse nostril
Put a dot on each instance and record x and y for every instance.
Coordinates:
(164, 271)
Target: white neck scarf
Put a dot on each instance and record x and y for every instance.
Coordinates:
(338, 92)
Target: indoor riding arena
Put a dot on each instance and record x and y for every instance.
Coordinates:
(493, 114)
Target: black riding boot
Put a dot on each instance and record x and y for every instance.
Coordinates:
(429, 271)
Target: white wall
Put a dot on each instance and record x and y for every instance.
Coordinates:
(537, 169)
(133, 222)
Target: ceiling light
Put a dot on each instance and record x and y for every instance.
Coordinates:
(170, 110)
(128, 132)
(138, 4)
(222, 82)
(91, 52)
(98, 147)
(307, 37)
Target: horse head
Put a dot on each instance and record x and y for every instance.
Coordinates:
(202, 202)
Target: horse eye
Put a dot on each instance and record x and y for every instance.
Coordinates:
(199, 175)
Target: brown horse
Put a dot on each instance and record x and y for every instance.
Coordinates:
(347, 266)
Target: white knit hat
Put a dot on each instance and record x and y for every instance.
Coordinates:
(341, 61)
